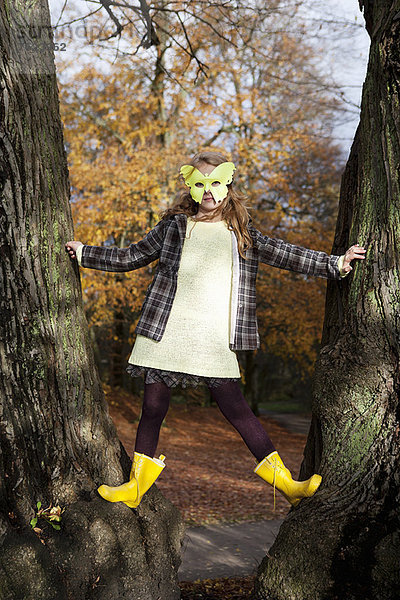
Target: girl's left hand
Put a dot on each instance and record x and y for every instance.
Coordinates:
(353, 252)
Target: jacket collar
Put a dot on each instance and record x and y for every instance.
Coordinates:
(181, 221)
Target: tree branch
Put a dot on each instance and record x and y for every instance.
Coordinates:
(106, 4)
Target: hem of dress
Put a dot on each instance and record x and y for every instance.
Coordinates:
(175, 378)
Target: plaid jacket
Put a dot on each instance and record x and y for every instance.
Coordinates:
(164, 242)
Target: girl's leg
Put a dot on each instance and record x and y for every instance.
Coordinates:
(155, 407)
(145, 469)
(234, 407)
(270, 468)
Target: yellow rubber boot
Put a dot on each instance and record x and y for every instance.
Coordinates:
(144, 472)
(272, 470)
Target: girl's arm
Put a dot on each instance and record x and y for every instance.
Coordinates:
(277, 253)
(120, 259)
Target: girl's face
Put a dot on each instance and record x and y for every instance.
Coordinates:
(208, 203)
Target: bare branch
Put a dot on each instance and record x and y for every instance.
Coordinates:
(201, 66)
(150, 38)
(106, 4)
(223, 129)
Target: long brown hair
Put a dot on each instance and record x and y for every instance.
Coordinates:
(233, 209)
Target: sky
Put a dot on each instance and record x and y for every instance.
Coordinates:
(347, 57)
(343, 54)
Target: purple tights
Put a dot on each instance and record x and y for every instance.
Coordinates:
(230, 401)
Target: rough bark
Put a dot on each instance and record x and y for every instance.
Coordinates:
(344, 543)
(57, 441)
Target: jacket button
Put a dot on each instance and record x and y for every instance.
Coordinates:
(240, 305)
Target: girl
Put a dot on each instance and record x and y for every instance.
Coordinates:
(199, 309)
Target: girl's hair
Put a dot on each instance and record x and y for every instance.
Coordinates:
(232, 209)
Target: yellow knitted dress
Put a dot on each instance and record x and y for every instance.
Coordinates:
(196, 338)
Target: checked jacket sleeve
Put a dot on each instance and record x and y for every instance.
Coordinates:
(118, 260)
(277, 253)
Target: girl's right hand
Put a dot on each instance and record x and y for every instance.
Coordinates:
(71, 247)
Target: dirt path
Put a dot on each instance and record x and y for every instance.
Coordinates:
(215, 551)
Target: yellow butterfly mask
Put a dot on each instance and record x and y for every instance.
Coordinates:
(216, 181)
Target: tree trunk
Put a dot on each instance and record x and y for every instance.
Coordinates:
(251, 382)
(117, 355)
(57, 441)
(344, 542)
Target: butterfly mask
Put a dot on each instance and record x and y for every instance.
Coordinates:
(216, 182)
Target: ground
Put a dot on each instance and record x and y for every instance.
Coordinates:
(234, 588)
(209, 474)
